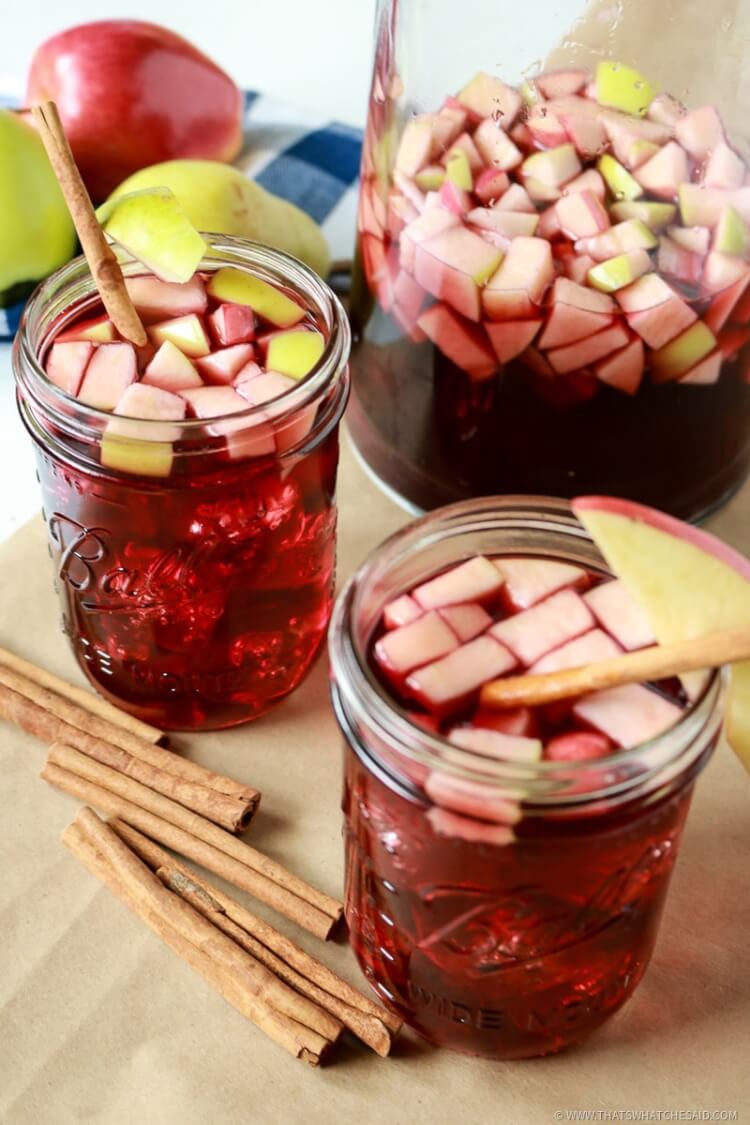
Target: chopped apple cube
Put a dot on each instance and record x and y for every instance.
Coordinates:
(623, 186)
(695, 239)
(171, 370)
(619, 239)
(510, 338)
(561, 83)
(454, 198)
(619, 613)
(589, 648)
(623, 370)
(131, 447)
(455, 827)
(516, 198)
(676, 261)
(156, 299)
(111, 369)
(66, 363)
(677, 357)
(656, 216)
(497, 149)
(491, 185)
(581, 215)
(232, 324)
(623, 88)
(509, 224)
(700, 131)
(487, 96)
(241, 288)
(573, 357)
(416, 145)
(458, 170)
(533, 633)
(401, 611)
(428, 179)
(495, 744)
(428, 225)
(546, 129)
(421, 642)
(475, 580)
(654, 310)
(708, 370)
(591, 181)
(451, 683)
(725, 169)
(244, 437)
(476, 801)
(665, 173)
(528, 580)
(577, 312)
(554, 168)
(517, 289)
(463, 342)
(185, 332)
(619, 272)
(467, 620)
(728, 278)
(666, 110)
(629, 715)
(453, 265)
(578, 746)
(268, 387)
(586, 133)
(296, 352)
(222, 366)
(731, 234)
(703, 206)
(97, 330)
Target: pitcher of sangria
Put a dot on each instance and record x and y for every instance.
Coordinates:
(551, 290)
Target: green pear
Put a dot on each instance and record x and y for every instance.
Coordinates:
(220, 199)
(152, 227)
(36, 231)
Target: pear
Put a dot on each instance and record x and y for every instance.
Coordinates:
(152, 227)
(220, 199)
(36, 231)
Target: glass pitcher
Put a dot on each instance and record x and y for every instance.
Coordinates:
(551, 283)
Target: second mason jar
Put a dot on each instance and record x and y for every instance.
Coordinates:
(198, 597)
(550, 289)
(492, 941)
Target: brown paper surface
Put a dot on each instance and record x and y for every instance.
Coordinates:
(100, 1023)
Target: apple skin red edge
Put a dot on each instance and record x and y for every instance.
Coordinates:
(701, 540)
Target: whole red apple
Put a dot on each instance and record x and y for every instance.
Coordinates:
(132, 94)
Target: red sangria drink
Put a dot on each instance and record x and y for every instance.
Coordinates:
(551, 293)
(189, 485)
(506, 870)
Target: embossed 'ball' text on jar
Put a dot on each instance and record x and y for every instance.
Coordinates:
(504, 943)
(198, 598)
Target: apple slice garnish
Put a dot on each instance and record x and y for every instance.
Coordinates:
(688, 582)
(152, 227)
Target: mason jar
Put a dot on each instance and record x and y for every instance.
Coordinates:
(511, 156)
(198, 597)
(493, 934)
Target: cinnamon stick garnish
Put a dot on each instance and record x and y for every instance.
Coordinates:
(656, 663)
(248, 986)
(370, 1022)
(53, 718)
(105, 269)
(190, 836)
(87, 700)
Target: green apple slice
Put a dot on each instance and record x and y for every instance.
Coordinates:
(152, 227)
(731, 236)
(295, 353)
(617, 178)
(458, 170)
(688, 582)
(266, 300)
(621, 87)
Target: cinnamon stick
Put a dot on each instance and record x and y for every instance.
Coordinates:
(370, 1022)
(242, 982)
(648, 664)
(53, 718)
(105, 269)
(81, 777)
(87, 700)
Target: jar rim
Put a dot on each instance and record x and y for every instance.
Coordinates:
(270, 264)
(362, 697)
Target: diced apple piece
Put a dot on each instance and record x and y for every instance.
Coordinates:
(516, 198)
(578, 746)
(185, 332)
(577, 267)
(467, 620)
(619, 613)
(700, 131)
(411, 646)
(111, 369)
(429, 225)
(487, 96)
(666, 110)
(494, 744)
(731, 234)
(491, 185)
(619, 272)
(409, 189)
(725, 169)
(577, 312)
(96, 330)
(509, 224)
(154, 404)
(629, 715)
(581, 215)
(510, 338)
(458, 171)
(561, 83)
(664, 174)
(429, 179)
(622, 185)
(475, 580)
(516, 721)
(695, 239)
(656, 216)
(295, 352)
(155, 299)
(619, 239)
(683, 353)
(706, 372)
(454, 198)
(131, 447)
(480, 802)
(591, 181)
(703, 207)
(533, 633)
(222, 366)
(244, 437)
(455, 827)
(517, 289)
(529, 581)
(241, 288)
(451, 683)
(268, 387)
(453, 266)
(464, 343)
(575, 356)
(66, 363)
(546, 129)
(586, 133)
(655, 311)
(409, 296)
(171, 370)
(416, 145)
(401, 611)
(554, 168)
(623, 370)
(623, 88)
(674, 260)
(590, 648)
(232, 324)
(466, 146)
(539, 192)
(498, 151)
(728, 278)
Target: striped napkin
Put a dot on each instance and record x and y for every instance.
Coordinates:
(312, 164)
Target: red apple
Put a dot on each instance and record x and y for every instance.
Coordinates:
(131, 94)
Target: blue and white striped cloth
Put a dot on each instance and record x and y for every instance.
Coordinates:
(312, 164)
